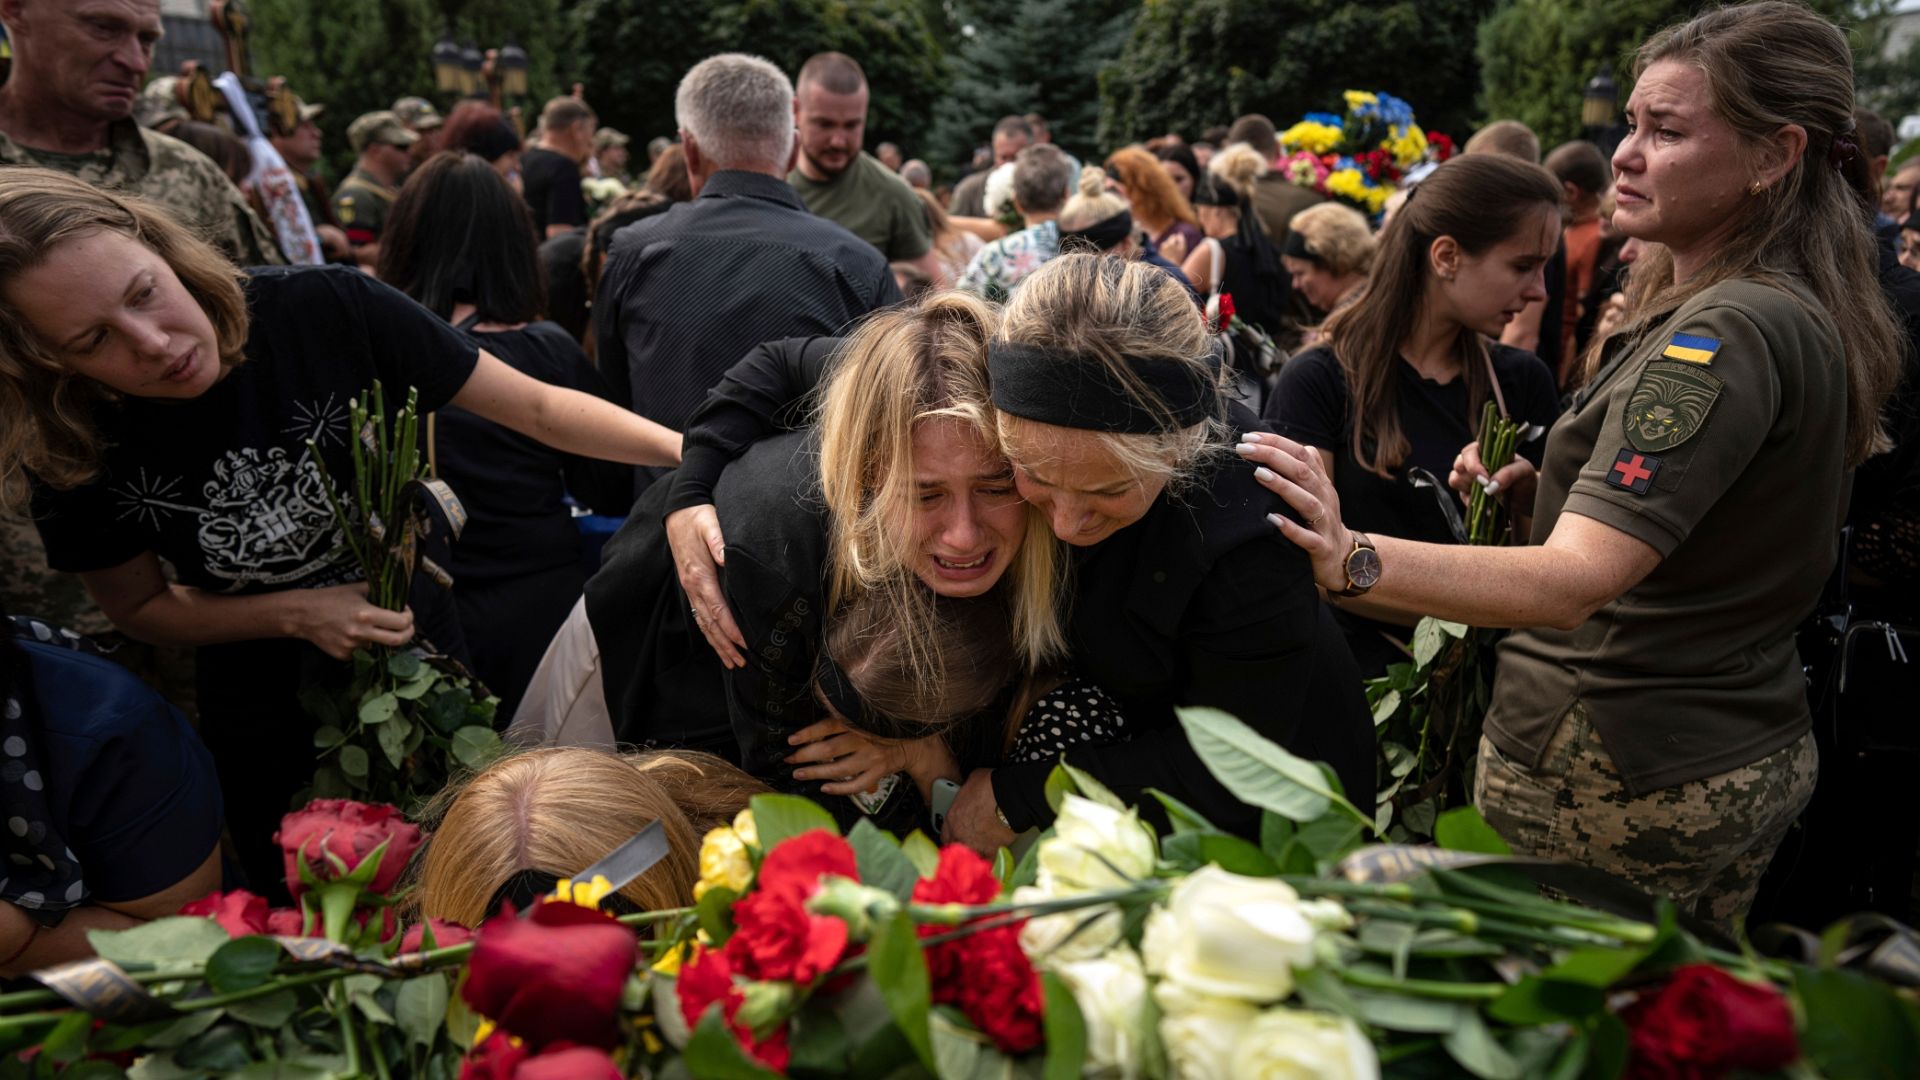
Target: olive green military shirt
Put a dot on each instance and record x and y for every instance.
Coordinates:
(362, 204)
(1717, 437)
(872, 203)
(167, 171)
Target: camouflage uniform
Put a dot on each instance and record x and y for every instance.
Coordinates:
(362, 204)
(1705, 844)
(171, 173)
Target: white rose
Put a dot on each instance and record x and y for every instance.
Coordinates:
(1094, 848)
(1052, 939)
(1112, 994)
(1200, 1031)
(1293, 1044)
(1231, 936)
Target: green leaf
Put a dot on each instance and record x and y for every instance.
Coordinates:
(474, 747)
(1431, 635)
(354, 761)
(899, 969)
(392, 737)
(326, 737)
(242, 964)
(1402, 1012)
(1384, 709)
(882, 864)
(712, 1053)
(1193, 850)
(1182, 817)
(272, 1011)
(1856, 1027)
(1276, 834)
(447, 710)
(1003, 868)
(403, 665)
(819, 1042)
(956, 1051)
(1473, 1046)
(1090, 788)
(1463, 829)
(379, 709)
(777, 817)
(715, 911)
(1027, 870)
(1059, 786)
(1066, 1030)
(169, 944)
(420, 1007)
(1258, 771)
(224, 1049)
(1609, 1046)
(1535, 1000)
(921, 852)
(68, 1039)
(417, 687)
(184, 1029)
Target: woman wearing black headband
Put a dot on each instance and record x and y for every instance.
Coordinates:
(1404, 371)
(1098, 220)
(1236, 258)
(1107, 386)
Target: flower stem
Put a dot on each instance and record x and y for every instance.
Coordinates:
(343, 1011)
(1428, 988)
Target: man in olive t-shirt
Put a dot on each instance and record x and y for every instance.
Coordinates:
(842, 183)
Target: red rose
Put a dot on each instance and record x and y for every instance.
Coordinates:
(239, 912)
(986, 974)
(775, 939)
(444, 934)
(573, 1063)
(556, 975)
(795, 865)
(287, 922)
(707, 979)
(350, 831)
(1442, 145)
(495, 1059)
(1226, 313)
(1705, 1023)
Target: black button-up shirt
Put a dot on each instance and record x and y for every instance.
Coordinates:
(687, 293)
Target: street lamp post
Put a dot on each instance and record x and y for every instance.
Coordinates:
(1600, 110)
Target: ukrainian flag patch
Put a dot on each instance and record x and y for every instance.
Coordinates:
(1692, 349)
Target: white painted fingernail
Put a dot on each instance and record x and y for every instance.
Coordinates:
(1493, 487)
(1245, 448)
(1264, 474)
(1277, 521)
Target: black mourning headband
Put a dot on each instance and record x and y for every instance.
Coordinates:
(1082, 392)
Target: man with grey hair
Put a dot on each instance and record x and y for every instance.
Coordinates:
(1041, 175)
(688, 292)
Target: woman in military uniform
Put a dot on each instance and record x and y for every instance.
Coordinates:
(1649, 715)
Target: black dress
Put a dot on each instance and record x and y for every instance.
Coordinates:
(1201, 602)
(516, 567)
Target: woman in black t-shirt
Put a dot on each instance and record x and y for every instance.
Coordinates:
(157, 405)
(1407, 368)
(460, 242)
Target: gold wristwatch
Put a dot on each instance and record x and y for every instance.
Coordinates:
(1363, 567)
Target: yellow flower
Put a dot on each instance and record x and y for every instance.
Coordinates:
(586, 894)
(1349, 184)
(744, 828)
(1357, 98)
(1312, 137)
(723, 861)
(1406, 144)
(670, 961)
(485, 1031)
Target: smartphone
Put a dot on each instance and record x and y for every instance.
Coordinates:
(944, 792)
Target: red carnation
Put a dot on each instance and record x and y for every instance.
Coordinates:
(707, 979)
(1442, 145)
(1704, 1024)
(287, 922)
(985, 974)
(494, 1059)
(554, 976)
(239, 912)
(795, 865)
(774, 938)
(444, 934)
(350, 831)
(573, 1063)
(1226, 313)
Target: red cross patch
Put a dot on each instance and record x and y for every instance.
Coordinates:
(1633, 471)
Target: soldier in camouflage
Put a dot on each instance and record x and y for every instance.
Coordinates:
(68, 105)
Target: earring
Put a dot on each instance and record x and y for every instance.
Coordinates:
(1756, 188)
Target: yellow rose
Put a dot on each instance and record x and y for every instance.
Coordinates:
(723, 862)
(744, 828)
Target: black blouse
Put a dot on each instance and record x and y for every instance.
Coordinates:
(1201, 602)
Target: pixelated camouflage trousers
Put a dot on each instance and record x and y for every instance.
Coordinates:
(1704, 843)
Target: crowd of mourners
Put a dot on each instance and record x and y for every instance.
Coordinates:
(785, 470)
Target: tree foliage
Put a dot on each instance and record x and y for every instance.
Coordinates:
(1014, 59)
(1192, 64)
(1536, 56)
(633, 54)
(357, 56)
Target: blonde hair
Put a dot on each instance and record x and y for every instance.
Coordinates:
(902, 367)
(1092, 203)
(1767, 65)
(1337, 234)
(47, 411)
(562, 809)
(1110, 309)
(1239, 165)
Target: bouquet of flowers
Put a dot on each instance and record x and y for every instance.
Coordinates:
(1360, 156)
(1107, 950)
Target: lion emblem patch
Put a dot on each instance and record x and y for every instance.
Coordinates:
(1670, 405)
